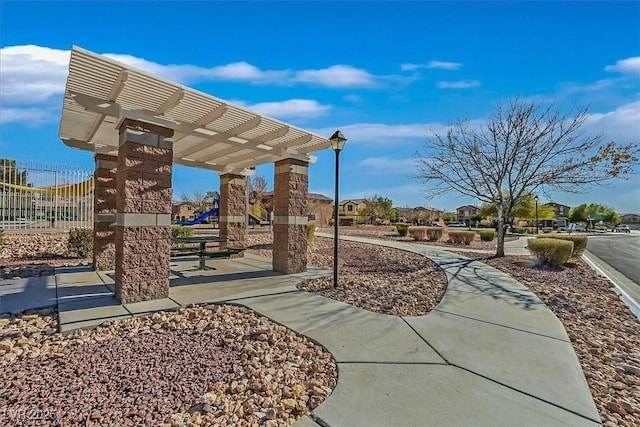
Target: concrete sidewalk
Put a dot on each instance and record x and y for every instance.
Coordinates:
(491, 353)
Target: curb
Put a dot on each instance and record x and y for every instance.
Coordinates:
(633, 305)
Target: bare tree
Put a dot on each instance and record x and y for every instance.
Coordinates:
(257, 185)
(522, 147)
(197, 199)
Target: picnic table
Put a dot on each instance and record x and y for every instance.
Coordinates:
(197, 246)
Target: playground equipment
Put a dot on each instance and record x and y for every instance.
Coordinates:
(258, 214)
(201, 217)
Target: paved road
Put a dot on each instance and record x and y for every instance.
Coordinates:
(620, 251)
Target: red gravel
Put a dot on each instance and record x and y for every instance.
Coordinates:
(83, 385)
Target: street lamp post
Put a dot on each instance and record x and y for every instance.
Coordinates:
(337, 143)
(537, 223)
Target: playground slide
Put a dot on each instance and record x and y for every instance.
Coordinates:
(200, 217)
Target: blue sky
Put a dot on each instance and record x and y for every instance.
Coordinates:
(385, 73)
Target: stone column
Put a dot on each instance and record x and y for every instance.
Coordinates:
(104, 212)
(291, 194)
(143, 228)
(233, 220)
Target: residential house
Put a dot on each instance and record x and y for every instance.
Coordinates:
(465, 213)
(320, 207)
(419, 215)
(183, 211)
(632, 220)
(560, 216)
(350, 211)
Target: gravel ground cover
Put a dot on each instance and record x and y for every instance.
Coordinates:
(604, 333)
(37, 254)
(202, 365)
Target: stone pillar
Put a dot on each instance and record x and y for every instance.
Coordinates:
(233, 220)
(104, 212)
(143, 228)
(290, 200)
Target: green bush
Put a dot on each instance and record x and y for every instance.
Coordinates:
(311, 231)
(547, 230)
(403, 229)
(487, 235)
(551, 251)
(1, 237)
(519, 230)
(579, 242)
(80, 242)
(465, 237)
(182, 231)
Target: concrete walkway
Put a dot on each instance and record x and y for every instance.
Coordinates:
(491, 353)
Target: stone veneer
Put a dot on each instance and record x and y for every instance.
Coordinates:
(104, 211)
(232, 209)
(143, 202)
(290, 221)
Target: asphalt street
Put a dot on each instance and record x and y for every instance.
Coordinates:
(620, 251)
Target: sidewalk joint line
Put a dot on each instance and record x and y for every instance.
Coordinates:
(528, 394)
(425, 341)
(357, 362)
(503, 326)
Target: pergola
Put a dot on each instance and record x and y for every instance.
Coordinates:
(138, 125)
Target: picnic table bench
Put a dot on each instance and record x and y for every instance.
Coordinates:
(197, 246)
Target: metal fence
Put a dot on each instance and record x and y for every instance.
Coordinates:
(36, 195)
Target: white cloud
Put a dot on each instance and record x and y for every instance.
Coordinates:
(383, 134)
(31, 116)
(337, 76)
(33, 79)
(461, 84)
(442, 65)
(380, 134)
(387, 165)
(621, 125)
(238, 71)
(31, 74)
(625, 66)
(292, 108)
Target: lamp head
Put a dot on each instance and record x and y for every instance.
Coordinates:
(337, 141)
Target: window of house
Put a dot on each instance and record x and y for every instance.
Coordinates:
(350, 208)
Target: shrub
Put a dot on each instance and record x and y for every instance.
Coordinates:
(579, 242)
(434, 233)
(1, 237)
(487, 235)
(465, 237)
(519, 230)
(311, 231)
(403, 229)
(182, 231)
(551, 251)
(81, 242)
(547, 230)
(418, 233)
